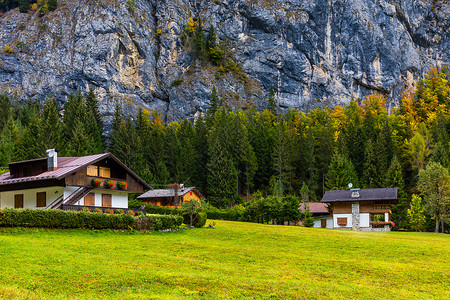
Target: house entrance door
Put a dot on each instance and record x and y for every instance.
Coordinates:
(323, 223)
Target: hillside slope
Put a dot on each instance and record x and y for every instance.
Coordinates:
(313, 53)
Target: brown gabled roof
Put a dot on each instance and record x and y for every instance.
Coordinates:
(66, 166)
(162, 193)
(316, 207)
(384, 194)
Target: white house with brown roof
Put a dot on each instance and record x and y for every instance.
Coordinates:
(99, 180)
(322, 216)
(358, 209)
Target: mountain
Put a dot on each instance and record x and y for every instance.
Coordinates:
(146, 53)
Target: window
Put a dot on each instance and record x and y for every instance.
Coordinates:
(92, 170)
(104, 172)
(18, 201)
(106, 200)
(41, 199)
(342, 221)
(89, 199)
(323, 223)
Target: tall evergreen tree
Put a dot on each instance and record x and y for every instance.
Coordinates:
(271, 103)
(51, 125)
(340, 173)
(200, 143)
(94, 123)
(370, 173)
(5, 110)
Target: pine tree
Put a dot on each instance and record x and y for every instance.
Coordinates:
(200, 143)
(340, 173)
(51, 125)
(271, 103)
(94, 123)
(8, 139)
(5, 110)
(30, 144)
(79, 143)
(221, 175)
(394, 178)
(213, 107)
(441, 151)
(212, 38)
(199, 41)
(370, 173)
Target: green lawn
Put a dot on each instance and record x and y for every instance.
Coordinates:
(235, 260)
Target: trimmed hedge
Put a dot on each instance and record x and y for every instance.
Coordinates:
(237, 213)
(161, 210)
(55, 218)
(157, 222)
(200, 221)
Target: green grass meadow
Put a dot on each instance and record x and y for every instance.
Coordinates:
(235, 260)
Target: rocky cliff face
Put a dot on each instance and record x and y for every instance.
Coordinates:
(312, 52)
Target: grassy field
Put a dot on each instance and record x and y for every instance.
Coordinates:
(235, 260)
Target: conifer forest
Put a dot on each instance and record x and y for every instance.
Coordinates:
(230, 155)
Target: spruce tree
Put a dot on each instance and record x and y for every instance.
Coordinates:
(94, 123)
(370, 173)
(8, 140)
(271, 103)
(51, 125)
(200, 143)
(79, 143)
(213, 107)
(340, 173)
(5, 110)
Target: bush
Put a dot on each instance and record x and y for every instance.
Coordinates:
(234, 214)
(157, 222)
(119, 211)
(199, 219)
(161, 210)
(55, 218)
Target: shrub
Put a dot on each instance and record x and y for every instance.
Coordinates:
(86, 209)
(157, 222)
(161, 210)
(97, 210)
(8, 50)
(109, 211)
(119, 211)
(234, 214)
(199, 219)
(177, 81)
(55, 218)
(131, 212)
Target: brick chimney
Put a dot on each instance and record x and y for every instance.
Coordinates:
(52, 159)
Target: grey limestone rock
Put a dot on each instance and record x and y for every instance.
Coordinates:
(312, 52)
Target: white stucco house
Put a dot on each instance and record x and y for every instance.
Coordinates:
(99, 180)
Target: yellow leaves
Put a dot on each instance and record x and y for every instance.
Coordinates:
(374, 104)
(191, 25)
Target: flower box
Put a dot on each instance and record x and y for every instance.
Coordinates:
(382, 223)
(96, 182)
(110, 184)
(123, 185)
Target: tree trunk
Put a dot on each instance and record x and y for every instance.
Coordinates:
(437, 225)
(442, 226)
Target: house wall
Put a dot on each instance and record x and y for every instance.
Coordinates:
(342, 208)
(364, 220)
(318, 223)
(188, 196)
(118, 199)
(349, 220)
(29, 196)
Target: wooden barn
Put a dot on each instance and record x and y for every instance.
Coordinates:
(360, 209)
(99, 180)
